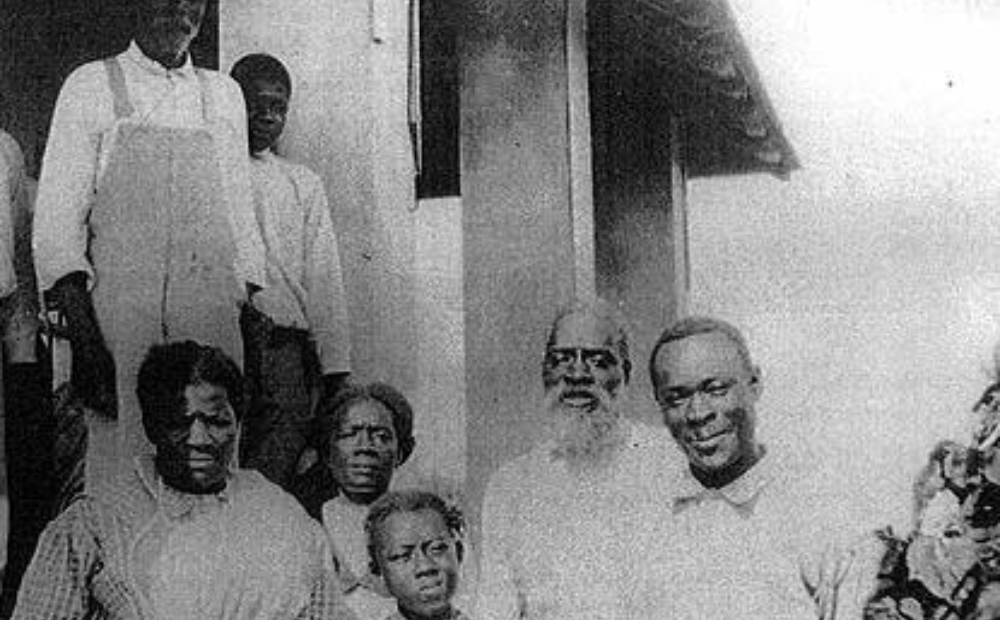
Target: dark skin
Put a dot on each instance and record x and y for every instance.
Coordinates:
(93, 377)
(267, 110)
(165, 28)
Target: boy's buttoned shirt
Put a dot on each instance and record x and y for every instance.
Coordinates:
(305, 287)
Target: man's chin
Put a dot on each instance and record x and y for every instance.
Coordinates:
(198, 484)
(588, 435)
(711, 462)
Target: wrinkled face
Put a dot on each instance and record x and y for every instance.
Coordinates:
(707, 394)
(419, 561)
(196, 441)
(364, 451)
(582, 372)
(583, 376)
(165, 28)
(267, 109)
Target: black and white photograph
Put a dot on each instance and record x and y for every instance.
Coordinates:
(500, 309)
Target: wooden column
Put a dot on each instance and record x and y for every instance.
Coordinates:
(527, 213)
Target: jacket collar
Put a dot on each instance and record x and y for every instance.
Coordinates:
(173, 503)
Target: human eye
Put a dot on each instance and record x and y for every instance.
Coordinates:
(218, 420)
(348, 433)
(382, 435)
(718, 387)
(560, 357)
(398, 557)
(673, 399)
(601, 360)
(438, 548)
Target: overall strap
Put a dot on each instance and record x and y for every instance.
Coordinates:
(207, 101)
(116, 80)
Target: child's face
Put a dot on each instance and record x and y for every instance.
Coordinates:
(419, 562)
(267, 109)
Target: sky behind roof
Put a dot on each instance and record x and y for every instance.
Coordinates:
(869, 284)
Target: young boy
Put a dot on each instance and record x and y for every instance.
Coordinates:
(296, 327)
(414, 540)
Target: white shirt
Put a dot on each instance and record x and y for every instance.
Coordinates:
(82, 137)
(305, 287)
(562, 543)
(769, 546)
(344, 522)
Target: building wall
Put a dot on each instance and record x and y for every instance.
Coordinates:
(349, 123)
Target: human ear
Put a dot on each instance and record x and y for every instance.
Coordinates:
(756, 383)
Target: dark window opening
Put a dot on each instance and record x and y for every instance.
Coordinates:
(439, 126)
(42, 41)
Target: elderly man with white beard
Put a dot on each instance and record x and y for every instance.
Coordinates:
(559, 522)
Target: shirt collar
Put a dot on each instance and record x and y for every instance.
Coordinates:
(265, 155)
(742, 494)
(340, 511)
(135, 55)
(177, 504)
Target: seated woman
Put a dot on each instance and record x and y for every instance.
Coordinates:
(362, 435)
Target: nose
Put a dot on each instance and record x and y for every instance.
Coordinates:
(699, 409)
(267, 115)
(364, 441)
(578, 370)
(198, 435)
(423, 565)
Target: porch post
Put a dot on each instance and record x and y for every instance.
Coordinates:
(527, 209)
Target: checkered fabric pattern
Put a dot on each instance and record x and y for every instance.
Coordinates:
(90, 560)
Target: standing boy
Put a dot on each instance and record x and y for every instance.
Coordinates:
(296, 332)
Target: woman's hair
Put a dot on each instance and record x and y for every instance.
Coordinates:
(260, 66)
(330, 412)
(169, 369)
(409, 501)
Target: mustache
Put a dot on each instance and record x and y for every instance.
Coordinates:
(603, 397)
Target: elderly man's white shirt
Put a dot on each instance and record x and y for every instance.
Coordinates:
(563, 543)
(83, 135)
(770, 546)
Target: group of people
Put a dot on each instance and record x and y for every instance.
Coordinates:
(185, 261)
(214, 459)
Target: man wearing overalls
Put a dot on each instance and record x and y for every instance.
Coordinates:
(144, 229)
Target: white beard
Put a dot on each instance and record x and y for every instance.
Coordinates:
(585, 437)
